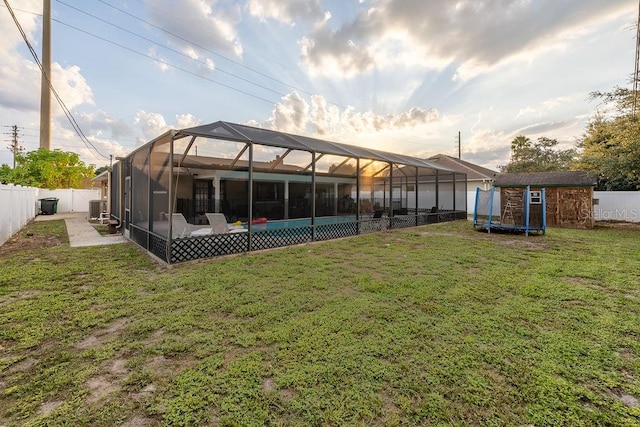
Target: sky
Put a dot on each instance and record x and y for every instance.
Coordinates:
(405, 76)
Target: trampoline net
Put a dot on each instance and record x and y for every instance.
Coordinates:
(483, 208)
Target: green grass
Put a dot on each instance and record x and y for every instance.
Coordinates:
(436, 325)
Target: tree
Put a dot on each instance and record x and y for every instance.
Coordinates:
(540, 156)
(100, 170)
(48, 169)
(610, 146)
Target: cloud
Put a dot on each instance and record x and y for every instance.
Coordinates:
(103, 125)
(474, 35)
(153, 124)
(295, 114)
(288, 11)
(209, 25)
(29, 21)
(318, 118)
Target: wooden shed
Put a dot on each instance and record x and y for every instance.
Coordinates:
(569, 195)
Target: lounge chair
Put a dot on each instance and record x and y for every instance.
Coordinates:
(218, 223)
(378, 213)
(181, 228)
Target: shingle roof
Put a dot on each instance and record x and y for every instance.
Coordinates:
(546, 179)
(473, 171)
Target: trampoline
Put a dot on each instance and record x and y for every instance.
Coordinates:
(513, 210)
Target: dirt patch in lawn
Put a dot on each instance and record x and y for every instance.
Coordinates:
(48, 407)
(101, 336)
(100, 387)
(618, 224)
(28, 242)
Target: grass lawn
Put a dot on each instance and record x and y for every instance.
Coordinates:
(436, 325)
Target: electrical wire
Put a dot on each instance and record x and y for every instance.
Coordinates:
(172, 50)
(219, 55)
(163, 62)
(67, 112)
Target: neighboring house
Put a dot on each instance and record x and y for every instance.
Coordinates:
(569, 195)
(477, 176)
(101, 181)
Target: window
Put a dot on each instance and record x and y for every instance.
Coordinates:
(535, 197)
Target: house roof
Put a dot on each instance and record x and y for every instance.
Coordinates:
(473, 171)
(546, 179)
(248, 134)
(102, 177)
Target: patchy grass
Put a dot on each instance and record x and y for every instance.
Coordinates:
(432, 325)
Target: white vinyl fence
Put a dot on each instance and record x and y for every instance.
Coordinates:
(617, 206)
(19, 205)
(612, 205)
(71, 200)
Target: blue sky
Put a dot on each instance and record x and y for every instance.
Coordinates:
(398, 75)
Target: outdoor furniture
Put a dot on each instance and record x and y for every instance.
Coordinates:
(181, 228)
(218, 223)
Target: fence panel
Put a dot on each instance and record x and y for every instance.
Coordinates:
(617, 206)
(71, 199)
(17, 208)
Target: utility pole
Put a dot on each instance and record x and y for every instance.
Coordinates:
(636, 65)
(15, 146)
(45, 89)
(459, 146)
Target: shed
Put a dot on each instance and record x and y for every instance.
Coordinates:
(569, 195)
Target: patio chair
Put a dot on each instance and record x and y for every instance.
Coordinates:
(218, 223)
(378, 213)
(181, 228)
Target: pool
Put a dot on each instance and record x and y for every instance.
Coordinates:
(303, 222)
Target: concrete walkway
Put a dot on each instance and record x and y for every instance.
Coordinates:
(80, 231)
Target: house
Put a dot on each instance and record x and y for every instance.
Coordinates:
(569, 195)
(300, 189)
(477, 176)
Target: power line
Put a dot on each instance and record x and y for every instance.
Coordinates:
(636, 65)
(163, 62)
(172, 50)
(219, 55)
(66, 111)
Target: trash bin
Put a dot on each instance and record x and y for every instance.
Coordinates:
(49, 205)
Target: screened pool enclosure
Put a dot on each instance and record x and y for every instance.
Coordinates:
(225, 188)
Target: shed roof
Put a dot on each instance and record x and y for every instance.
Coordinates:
(546, 179)
(249, 134)
(473, 171)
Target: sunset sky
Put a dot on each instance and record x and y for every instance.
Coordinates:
(397, 75)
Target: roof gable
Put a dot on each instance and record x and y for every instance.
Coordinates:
(473, 171)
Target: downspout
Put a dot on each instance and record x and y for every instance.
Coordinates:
(170, 207)
(250, 196)
(313, 196)
(437, 197)
(454, 191)
(416, 188)
(358, 195)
